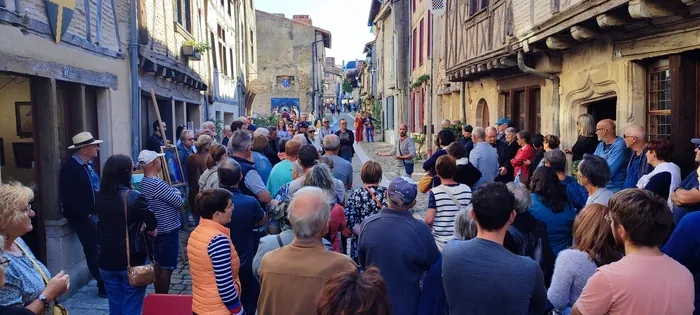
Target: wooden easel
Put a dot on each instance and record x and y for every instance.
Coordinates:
(188, 229)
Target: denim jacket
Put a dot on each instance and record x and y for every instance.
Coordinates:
(617, 155)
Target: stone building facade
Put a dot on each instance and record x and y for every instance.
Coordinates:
(53, 85)
(290, 63)
(542, 63)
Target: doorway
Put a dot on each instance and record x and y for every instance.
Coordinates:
(603, 109)
(482, 114)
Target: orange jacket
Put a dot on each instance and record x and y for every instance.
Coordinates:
(205, 294)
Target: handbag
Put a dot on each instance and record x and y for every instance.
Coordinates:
(425, 183)
(57, 308)
(139, 276)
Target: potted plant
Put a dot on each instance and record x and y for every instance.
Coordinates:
(193, 50)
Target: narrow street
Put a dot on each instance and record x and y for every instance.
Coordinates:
(86, 301)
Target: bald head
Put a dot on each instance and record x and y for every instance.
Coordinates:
(605, 129)
(309, 213)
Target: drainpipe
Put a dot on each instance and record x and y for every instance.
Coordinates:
(135, 89)
(556, 98)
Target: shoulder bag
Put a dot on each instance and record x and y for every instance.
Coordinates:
(139, 276)
(379, 203)
(57, 308)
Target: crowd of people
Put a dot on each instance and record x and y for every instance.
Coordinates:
(280, 229)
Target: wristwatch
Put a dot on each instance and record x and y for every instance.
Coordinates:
(44, 300)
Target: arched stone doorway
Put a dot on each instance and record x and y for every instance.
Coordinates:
(482, 114)
(596, 98)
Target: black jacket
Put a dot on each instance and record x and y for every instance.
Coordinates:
(75, 187)
(154, 143)
(503, 161)
(527, 236)
(584, 145)
(271, 151)
(346, 148)
(467, 174)
(112, 234)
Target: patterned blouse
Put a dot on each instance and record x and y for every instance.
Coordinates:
(23, 283)
(361, 205)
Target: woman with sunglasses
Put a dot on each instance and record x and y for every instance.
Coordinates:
(24, 280)
(315, 141)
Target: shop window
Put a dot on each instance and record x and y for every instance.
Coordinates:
(659, 100)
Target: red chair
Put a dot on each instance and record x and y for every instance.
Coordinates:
(167, 304)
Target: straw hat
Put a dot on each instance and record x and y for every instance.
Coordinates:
(83, 139)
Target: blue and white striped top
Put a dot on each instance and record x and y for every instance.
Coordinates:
(444, 224)
(219, 251)
(164, 201)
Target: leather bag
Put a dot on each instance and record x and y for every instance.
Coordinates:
(139, 276)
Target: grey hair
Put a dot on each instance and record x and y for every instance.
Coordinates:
(297, 168)
(227, 127)
(207, 124)
(479, 133)
(331, 143)
(184, 133)
(261, 131)
(511, 130)
(489, 128)
(240, 141)
(445, 121)
(313, 203)
(320, 176)
(465, 226)
(243, 119)
(523, 198)
(586, 124)
(300, 138)
(328, 161)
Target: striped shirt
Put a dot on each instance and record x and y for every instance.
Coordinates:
(444, 224)
(219, 251)
(164, 201)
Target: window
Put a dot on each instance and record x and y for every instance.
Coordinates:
(420, 47)
(252, 48)
(475, 6)
(222, 49)
(430, 35)
(213, 40)
(524, 108)
(413, 49)
(182, 14)
(414, 6)
(659, 101)
(230, 6)
(392, 60)
(230, 55)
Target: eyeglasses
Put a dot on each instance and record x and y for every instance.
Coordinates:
(5, 262)
(311, 131)
(27, 208)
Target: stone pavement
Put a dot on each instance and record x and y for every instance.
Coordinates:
(86, 301)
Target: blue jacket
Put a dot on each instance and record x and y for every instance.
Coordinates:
(558, 224)
(684, 247)
(433, 300)
(263, 165)
(576, 193)
(77, 194)
(183, 153)
(617, 155)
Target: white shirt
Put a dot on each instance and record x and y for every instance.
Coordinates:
(664, 167)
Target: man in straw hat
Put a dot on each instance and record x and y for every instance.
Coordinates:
(79, 184)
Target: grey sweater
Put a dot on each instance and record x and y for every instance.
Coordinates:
(571, 272)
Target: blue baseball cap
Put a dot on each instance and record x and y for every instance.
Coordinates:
(402, 190)
(503, 120)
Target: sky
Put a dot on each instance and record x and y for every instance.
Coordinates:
(345, 19)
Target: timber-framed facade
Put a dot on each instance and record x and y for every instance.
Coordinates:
(634, 61)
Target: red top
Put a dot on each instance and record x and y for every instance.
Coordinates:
(525, 153)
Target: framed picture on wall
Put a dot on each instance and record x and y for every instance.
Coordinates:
(24, 154)
(23, 119)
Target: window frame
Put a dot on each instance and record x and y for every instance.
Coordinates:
(530, 114)
(183, 14)
(477, 6)
(658, 66)
(420, 43)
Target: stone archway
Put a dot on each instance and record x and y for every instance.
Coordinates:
(482, 114)
(576, 101)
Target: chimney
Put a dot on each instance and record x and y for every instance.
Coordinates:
(280, 15)
(303, 19)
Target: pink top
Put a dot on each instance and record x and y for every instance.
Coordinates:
(639, 285)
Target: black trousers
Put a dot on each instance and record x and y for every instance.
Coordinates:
(250, 289)
(86, 229)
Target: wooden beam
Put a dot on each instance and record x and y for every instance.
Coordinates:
(88, 20)
(582, 33)
(559, 42)
(29, 66)
(649, 9)
(610, 20)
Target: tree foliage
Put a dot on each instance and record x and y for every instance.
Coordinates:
(347, 86)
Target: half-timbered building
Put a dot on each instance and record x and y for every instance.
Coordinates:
(63, 70)
(542, 63)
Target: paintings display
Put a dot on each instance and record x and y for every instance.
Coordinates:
(23, 119)
(172, 169)
(24, 154)
(284, 105)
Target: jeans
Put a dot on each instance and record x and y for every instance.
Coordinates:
(123, 298)
(370, 134)
(86, 230)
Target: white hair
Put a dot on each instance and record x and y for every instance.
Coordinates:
(523, 198)
(261, 131)
(465, 227)
(207, 124)
(243, 119)
(300, 138)
(240, 141)
(331, 142)
(479, 133)
(185, 133)
(309, 212)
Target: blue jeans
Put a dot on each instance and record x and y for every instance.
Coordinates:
(370, 134)
(408, 168)
(123, 298)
